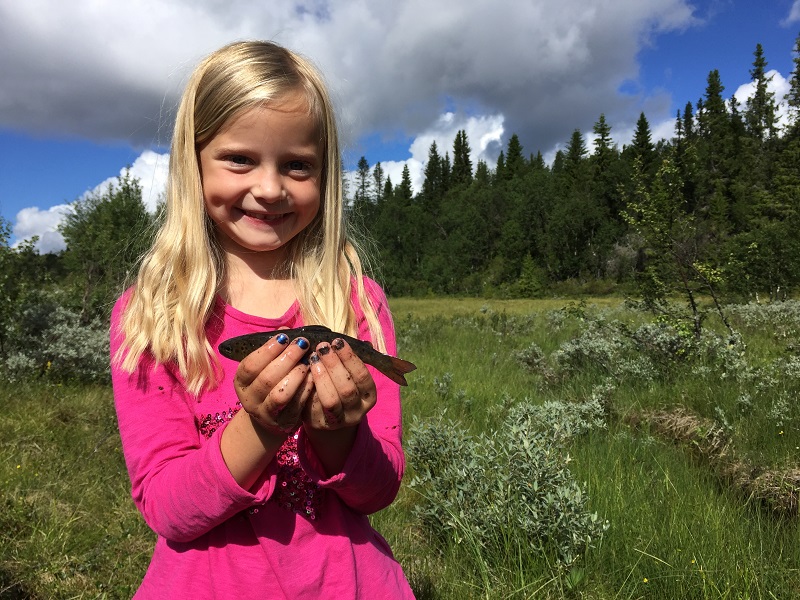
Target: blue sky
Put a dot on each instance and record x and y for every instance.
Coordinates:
(88, 86)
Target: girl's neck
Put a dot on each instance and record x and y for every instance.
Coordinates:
(264, 291)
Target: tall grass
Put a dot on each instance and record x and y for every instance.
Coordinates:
(678, 527)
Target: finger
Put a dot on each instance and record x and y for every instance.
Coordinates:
(357, 375)
(327, 409)
(273, 371)
(282, 409)
(291, 413)
(250, 367)
(337, 373)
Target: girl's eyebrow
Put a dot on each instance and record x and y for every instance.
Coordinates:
(225, 150)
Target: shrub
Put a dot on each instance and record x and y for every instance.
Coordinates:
(596, 346)
(50, 340)
(510, 487)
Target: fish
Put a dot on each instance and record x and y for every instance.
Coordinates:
(394, 368)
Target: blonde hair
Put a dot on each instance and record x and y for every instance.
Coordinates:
(182, 273)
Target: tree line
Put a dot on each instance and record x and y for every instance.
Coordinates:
(715, 205)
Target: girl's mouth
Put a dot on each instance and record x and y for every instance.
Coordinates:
(263, 217)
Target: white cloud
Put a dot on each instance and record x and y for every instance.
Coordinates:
(537, 68)
(33, 221)
(794, 14)
(151, 170)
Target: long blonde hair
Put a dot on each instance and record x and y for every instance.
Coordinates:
(180, 276)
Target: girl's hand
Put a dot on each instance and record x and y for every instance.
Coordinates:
(344, 388)
(273, 384)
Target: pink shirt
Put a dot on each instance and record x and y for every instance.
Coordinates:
(297, 534)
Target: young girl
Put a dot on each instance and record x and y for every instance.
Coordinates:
(257, 477)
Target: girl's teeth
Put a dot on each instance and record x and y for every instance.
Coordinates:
(262, 217)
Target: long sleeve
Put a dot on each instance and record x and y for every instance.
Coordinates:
(370, 478)
(180, 482)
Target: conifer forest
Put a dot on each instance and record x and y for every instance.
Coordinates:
(716, 206)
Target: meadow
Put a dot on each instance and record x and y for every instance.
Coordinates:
(556, 449)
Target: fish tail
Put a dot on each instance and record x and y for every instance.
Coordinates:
(397, 368)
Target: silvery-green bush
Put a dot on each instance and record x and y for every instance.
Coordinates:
(510, 487)
(49, 340)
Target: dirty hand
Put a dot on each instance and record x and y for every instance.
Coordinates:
(273, 384)
(344, 390)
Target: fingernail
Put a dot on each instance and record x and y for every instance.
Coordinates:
(314, 358)
(302, 342)
(282, 338)
(338, 344)
(323, 350)
(304, 360)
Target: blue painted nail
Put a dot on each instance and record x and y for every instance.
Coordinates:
(304, 360)
(302, 342)
(282, 338)
(314, 358)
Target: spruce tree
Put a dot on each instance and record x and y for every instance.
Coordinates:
(405, 190)
(761, 113)
(363, 182)
(605, 170)
(377, 179)
(716, 155)
(514, 160)
(432, 184)
(642, 146)
(793, 95)
(462, 163)
(482, 175)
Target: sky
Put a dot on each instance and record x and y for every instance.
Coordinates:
(89, 87)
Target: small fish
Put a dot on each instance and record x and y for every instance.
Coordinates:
(394, 368)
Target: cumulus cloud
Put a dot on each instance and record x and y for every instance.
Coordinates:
(151, 169)
(114, 70)
(43, 224)
(484, 134)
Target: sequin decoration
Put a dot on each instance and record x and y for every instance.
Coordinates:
(295, 489)
(210, 423)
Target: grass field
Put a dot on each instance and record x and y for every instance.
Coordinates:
(694, 469)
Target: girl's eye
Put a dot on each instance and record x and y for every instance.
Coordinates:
(238, 159)
(297, 165)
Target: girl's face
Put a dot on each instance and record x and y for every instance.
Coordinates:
(261, 177)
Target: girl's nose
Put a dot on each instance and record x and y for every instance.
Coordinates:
(269, 187)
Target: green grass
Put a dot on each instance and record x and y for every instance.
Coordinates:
(675, 532)
(68, 528)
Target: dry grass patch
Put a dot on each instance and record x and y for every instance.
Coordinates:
(777, 490)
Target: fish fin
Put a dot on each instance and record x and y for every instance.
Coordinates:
(399, 368)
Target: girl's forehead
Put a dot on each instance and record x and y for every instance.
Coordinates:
(295, 102)
(287, 121)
